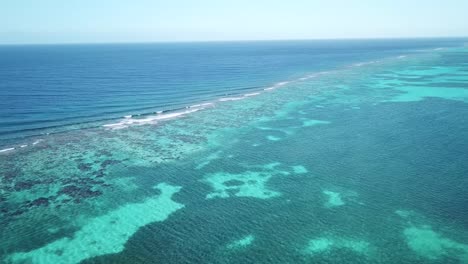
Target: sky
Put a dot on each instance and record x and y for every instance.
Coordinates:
(105, 21)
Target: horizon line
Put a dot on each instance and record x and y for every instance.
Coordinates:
(224, 41)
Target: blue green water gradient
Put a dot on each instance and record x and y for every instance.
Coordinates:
(55, 88)
(362, 163)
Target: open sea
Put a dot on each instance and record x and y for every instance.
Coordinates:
(327, 151)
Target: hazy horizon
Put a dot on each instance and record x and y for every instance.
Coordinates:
(143, 21)
(231, 41)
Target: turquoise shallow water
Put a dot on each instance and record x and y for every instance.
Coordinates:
(362, 164)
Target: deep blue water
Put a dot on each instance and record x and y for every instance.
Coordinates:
(47, 88)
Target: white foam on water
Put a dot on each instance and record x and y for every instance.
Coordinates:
(276, 85)
(174, 115)
(6, 150)
(37, 141)
(251, 94)
(310, 76)
(314, 75)
(23, 146)
(324, 72)
(201, 105)
(402, 56)
(363, 63)
(225, 99)
(128, 116)
(129, 121)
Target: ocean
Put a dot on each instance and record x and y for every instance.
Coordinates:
(326, 151)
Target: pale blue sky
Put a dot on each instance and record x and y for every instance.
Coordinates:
(77, 21)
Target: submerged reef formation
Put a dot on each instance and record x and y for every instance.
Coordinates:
(242, 243)
(105, 234)
(326, 244)
(251, 183)
(334, 199)
(429, 244)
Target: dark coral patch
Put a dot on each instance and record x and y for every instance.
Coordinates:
(84, 167)
(104, 153)
(10, 175)
(252, 182)
(47, 181)
(24, 185)
(79, 192)
(109, 162)
(232, 192)
(42, 201)
(233, 183)
(99, 173)
(187, 139)
(89, 193)
(29, 184)
(70, 190)
(17, 212)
